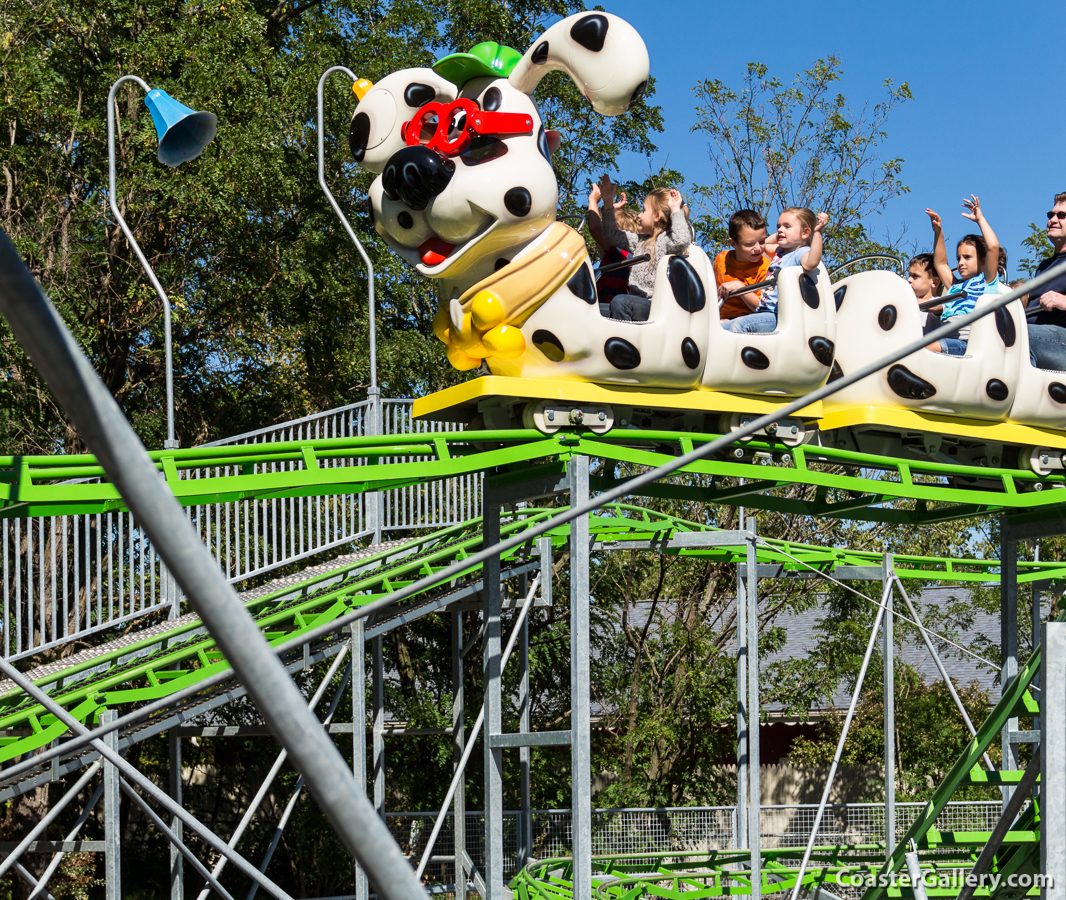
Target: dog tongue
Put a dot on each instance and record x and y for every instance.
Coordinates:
(435, 251)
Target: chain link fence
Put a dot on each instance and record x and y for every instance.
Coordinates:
(633, 832)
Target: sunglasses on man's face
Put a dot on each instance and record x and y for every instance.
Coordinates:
(1056, 214)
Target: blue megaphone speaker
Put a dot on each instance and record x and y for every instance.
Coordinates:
(183, 133)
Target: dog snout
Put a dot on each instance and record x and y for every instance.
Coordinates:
(415, 175)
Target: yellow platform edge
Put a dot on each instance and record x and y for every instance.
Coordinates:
(466, 396)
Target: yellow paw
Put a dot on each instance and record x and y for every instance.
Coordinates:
(487, 310)
(504, 342)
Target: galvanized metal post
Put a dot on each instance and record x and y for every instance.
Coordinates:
(358, 635)
(524, 830)
(1008, 611)
(177, 861)
(1053, 760)
(112, 830)
(494, 886)
(754, 791)
(377, 691)
(462, 871)
(887, 576)
(580, 677)
(740, 818)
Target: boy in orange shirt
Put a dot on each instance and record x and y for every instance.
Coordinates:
(747, 263)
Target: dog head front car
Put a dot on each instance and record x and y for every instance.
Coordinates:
(462, 157)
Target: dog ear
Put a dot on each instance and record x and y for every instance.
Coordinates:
(602, 53)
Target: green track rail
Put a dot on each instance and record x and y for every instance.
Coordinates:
(803, 480)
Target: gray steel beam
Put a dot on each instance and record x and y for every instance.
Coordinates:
(740, 825)
(1028, 531)
(889, 688)
(1053, 760)
(494, 882)
(1008, 641)
(523, 728)
(177, 861)
(580, 677)
(754, 716)
(462, 872)
(112, 831)
(66, 846)
(522, 739)
(377, 699)
(536, 488)
(359, 730)
(675, 540)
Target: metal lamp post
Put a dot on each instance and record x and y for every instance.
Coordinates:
(373, 392)
(183, 134)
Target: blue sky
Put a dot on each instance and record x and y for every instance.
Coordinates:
(987, 115)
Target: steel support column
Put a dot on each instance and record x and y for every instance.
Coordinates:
(754, 788)
(887, 577)
(462, 871)
(112, 831)
(1053, 760)
(377, 690)
(1008, 639)
(494, 885)
(177, 861)
(357, 630)
(580, 675)
(524, 819)
(740, 819)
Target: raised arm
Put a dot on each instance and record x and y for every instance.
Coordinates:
(679, 232)
(940, 251)
(612, 234)
(974, 214)
(592, 219)
(812, 258)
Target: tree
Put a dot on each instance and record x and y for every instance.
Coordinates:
(772, 145)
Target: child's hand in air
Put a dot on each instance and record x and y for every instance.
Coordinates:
(618, 204)
(606, 187)
(823, 219)
(973, 208)
(675, 201)
(934, 219)
(594, 197)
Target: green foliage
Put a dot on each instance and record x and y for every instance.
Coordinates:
(773, 145)
(1037, 244)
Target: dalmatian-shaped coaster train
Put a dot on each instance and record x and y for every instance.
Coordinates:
(466, 194)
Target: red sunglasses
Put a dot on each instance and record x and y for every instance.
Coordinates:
(462, 116)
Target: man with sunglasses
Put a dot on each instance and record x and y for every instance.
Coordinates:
(1046, 312)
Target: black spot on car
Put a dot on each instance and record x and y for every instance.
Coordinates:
(809, 291)
(405, 220)
(906, 384)
(686, 285)
(483, 148)
(492, 100)
(542, 144)
(1057, 391)
(638, 92)
(822, 348)
(370, 209)
(582, 285)
(415, 175)
(359, 136)
(996, 389)
(836, 372)
(548, 344)
(591, 31)
(690, 353)
(754, 359)
(838, 294)
(518, 201)
(540, 55)
(1005, 327)
(621, 354)
(416, 94)
(502, 263)
(887, 317)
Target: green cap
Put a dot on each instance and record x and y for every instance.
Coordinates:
(485, 59)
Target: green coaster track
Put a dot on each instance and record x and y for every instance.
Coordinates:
(814, 481)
